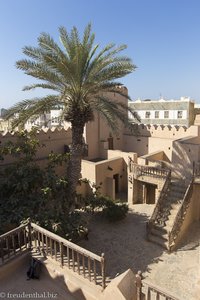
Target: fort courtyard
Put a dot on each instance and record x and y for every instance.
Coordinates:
(125, 246)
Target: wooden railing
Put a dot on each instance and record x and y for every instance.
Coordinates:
(14, 242)
(159, 204)
(31, 236)
(142, 170)
(173, 234)
(154, 292)
(69, 255)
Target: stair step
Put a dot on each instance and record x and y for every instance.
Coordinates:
(160, 227)
(157, 240)
(175, 209)
(177, 188)
(175, 196)
(161, 220)
(175, 201)
(161, 235)
(169, 223)
(172, 214)
(176, 192)
(178, 183)
(175, 206)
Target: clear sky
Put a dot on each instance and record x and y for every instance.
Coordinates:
(163, 38)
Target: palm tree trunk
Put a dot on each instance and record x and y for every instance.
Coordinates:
(74, 167)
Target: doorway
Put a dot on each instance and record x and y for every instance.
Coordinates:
(149, 191)
(110, 143)
(116, 179)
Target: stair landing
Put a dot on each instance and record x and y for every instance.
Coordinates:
(54, 282)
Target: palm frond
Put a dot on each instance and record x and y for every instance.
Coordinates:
(114, 112)
(39, 71)
(84, 76)
(65, 40)
(41, 85)
(33, 52)
(106, 109)
(25, 109)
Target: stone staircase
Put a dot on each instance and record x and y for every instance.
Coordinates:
(167, 213)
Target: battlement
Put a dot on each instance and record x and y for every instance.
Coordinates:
(53, 140)
(165, 131)
(43, 131)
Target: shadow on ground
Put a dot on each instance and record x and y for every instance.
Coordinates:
(124, 243)
(47, 287)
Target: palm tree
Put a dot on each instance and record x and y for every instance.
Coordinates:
(82, 78)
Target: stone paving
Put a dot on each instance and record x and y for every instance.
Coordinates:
(125, 246)
(17, 286)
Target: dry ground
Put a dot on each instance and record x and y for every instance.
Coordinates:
(125, 246)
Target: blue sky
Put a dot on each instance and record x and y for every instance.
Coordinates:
(163, 38)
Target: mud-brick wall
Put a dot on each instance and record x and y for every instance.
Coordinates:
(51, 141)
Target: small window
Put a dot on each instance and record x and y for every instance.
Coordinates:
(166, 114)
(55, 120)
(147, 114)
(156, 114)
(180, 114)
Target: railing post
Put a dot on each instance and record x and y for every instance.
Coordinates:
(129, 164)
(29, 234)
(61, 255)
(193, 169)
(1, 251)
(103, 271)
(138, 283)
(147, 230)
(169, 242)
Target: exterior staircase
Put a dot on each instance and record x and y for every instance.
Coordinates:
(162, 225)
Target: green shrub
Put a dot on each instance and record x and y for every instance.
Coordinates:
(73, 227)
(111, 210)
(115, 212)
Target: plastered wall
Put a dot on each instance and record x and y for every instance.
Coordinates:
(50, 140)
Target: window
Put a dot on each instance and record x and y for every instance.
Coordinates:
(156, 114)
(147, 114)
(55, 120)
(179, 114)
(166, 114)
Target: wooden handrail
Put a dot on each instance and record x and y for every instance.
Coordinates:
(66, 242)
(181, 214)
(11, 232)
(14, 242)
(157, 290)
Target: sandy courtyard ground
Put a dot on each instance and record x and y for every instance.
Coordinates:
(125, 246)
